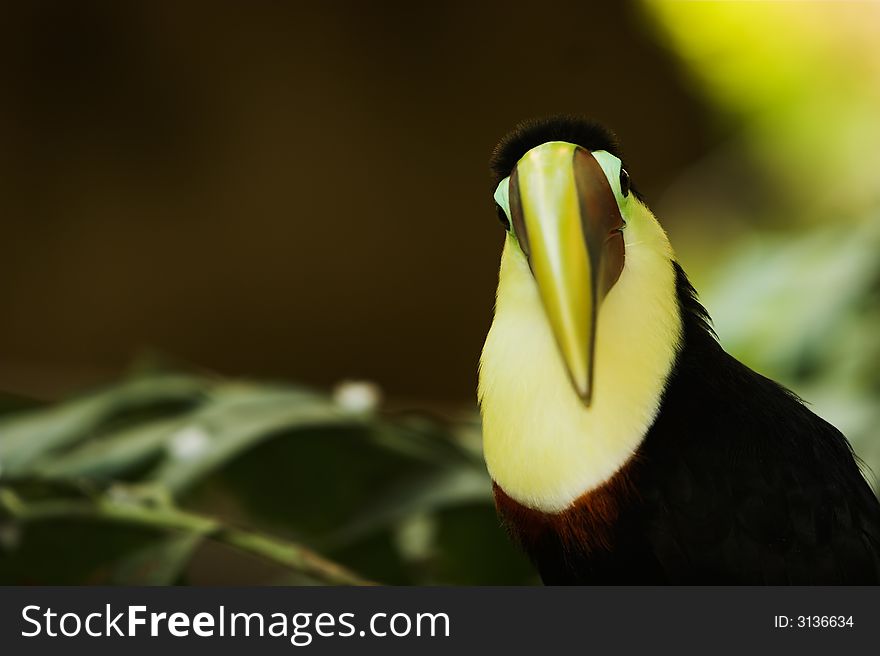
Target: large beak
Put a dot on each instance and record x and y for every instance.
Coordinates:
(568, 224)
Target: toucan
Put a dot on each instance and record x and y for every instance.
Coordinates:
(625, 446)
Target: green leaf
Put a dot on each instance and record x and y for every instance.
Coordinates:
(237, 418)
(159, 563)
(424, 494)
(111, 457)
(26, 437)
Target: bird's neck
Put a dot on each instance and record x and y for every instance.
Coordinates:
(544, 448)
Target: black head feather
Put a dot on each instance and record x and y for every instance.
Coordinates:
(532, 133)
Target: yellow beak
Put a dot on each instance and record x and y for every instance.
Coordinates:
(568, 224)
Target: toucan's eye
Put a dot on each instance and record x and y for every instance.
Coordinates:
(624, 182)
(502, 216)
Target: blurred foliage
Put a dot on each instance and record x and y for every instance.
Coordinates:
(792, 278)
(801, 83)
(130, 484)
(813, 323)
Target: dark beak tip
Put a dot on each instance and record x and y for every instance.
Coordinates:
(585, 394)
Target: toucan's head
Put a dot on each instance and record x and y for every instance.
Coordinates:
(587, 319)
(568, 204)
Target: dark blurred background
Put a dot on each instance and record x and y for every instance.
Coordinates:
(291, 190)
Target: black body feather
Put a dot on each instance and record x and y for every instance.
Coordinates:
(737, 482)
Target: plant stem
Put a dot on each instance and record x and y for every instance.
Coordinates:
(291, 555)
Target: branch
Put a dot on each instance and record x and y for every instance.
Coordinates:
(289, 554)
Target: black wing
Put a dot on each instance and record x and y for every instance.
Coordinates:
(742, 483)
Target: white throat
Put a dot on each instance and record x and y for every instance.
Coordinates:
(542, 445)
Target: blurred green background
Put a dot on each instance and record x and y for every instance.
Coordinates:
(249, 257)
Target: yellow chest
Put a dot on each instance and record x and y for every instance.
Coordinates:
(542, 445)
